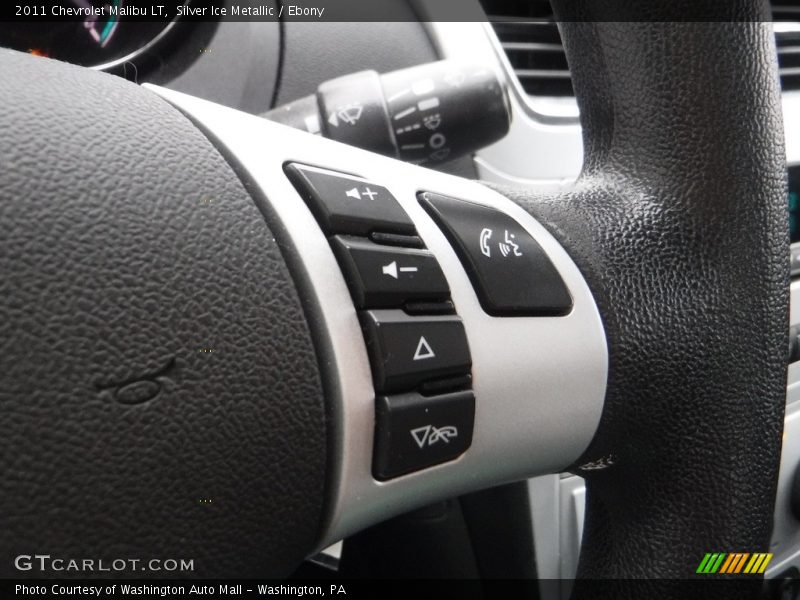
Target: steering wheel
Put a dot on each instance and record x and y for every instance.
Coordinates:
(183, 369)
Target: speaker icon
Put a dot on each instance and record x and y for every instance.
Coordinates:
(390, 269)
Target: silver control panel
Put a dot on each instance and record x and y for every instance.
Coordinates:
(538, 378)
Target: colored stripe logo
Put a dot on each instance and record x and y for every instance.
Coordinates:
(734, 563)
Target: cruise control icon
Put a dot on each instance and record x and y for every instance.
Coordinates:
(430, 435)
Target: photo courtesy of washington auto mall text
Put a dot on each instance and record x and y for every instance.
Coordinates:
(166, 590)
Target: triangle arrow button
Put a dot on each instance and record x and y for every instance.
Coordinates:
(424, 350)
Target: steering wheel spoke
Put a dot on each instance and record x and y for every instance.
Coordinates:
(537, 371)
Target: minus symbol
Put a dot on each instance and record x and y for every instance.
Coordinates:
(405, 113)
(412, 146)
(408, 269)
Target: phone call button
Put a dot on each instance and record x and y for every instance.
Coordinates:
(510, 271)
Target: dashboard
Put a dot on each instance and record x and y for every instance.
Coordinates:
(254, 66)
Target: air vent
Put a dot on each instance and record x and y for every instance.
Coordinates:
(787, 37)
(529, 36)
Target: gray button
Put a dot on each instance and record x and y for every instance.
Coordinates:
(345, 204)
(510, 271)
(414, 431)
(405, 351)
(386, 276)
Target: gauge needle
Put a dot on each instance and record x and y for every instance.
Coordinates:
(91, 20)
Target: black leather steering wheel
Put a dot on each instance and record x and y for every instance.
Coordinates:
(156, 354)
